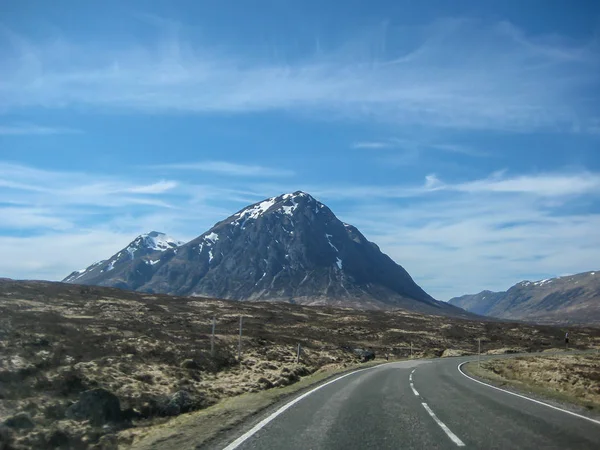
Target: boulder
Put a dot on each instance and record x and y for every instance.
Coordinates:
(364, 355)
(20, 421)
(99, 406)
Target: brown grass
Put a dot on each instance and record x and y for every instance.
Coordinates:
(567, 378)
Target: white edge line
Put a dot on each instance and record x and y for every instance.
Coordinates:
(526, 398)
(443, 426)
(239, 441)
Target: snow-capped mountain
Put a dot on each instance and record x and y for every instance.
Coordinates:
(129, 267)
(288, 248)
(567, 299)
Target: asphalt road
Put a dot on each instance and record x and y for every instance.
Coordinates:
(379, 409)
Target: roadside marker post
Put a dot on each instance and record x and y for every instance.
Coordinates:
(212, 338)
(298, 354)
(410, 349)
(479, 355)
(240, 342)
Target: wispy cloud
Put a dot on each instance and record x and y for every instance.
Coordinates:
(30, 129)
(460, 74)
(227, 168)
(372, 144)
(452, 237)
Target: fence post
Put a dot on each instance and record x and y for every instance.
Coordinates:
(212, 338)
(240, 342)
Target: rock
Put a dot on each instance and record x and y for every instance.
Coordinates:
(58, 439)
(364, 355)
(99, 406)
(6, 438)
(20, 421)
(265, 383)
(108, 442)
(179, 403)
(190, 364)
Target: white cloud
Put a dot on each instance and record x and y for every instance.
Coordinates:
(227, 168)
(547, 185)
(460, 73)
(155, 188)
(452, 238)
(372, 144)
(30, 129)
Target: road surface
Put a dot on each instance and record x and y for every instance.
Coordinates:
(415, 404)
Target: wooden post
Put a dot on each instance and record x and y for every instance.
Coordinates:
(240, 342)
(298, 354)
(212, 338)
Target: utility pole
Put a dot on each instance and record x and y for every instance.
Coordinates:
(212, 338)
(240, 343)
(298, 354)
(479, 355)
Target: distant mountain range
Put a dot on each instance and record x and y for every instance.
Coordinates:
(289, 248)
(570, 299)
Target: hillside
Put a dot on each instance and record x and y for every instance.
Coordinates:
(573, 299)
(290, 248)
(152, 352)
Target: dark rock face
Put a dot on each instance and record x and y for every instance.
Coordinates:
(99, 406)
(289, 248)
(570, 299)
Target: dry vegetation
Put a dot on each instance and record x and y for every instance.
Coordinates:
(152, 353)
(571, 378)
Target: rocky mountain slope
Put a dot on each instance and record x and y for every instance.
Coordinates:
(569, 299)
(288, 248)
(131, 267)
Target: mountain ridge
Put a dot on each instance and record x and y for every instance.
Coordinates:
(285, 248)
(566, 299)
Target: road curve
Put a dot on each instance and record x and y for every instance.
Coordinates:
(426, 404)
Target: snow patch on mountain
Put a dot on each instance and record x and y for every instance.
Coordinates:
(329, 236)
(212, 237)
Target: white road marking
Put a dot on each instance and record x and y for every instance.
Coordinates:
(412, 386)
(526, 398)
(410, 377)
(244, 437)
(443, 426)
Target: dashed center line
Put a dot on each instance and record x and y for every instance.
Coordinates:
(443, 426)
(412, 386)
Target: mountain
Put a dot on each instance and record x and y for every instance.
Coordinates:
(130, 268)
(569, 299)
(288, 248)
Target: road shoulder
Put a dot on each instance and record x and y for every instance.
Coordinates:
(556, 380)
(213, 427)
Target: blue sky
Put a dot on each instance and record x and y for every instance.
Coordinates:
(462, 137)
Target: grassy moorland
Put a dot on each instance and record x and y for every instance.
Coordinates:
(151, 354)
